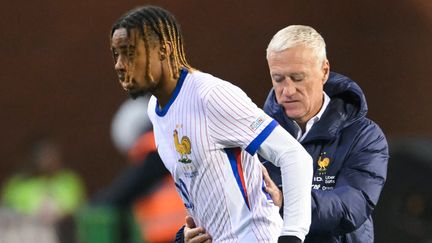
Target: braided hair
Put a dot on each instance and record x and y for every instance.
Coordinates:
(156, 24)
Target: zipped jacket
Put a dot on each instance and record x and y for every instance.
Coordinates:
(350, 155)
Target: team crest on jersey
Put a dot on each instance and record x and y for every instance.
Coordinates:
(323, 163)
(183, 147)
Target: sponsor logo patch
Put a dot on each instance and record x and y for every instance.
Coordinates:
(257, 123)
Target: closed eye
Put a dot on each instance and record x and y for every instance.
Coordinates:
(278, 78)
(297, 77)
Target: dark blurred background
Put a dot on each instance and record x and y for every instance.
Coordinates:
(58, 77)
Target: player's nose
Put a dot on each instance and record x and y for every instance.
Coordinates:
(120, 66)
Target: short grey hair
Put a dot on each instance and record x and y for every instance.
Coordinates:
(295, 35)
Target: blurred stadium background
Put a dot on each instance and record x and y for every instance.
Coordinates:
(58, 78)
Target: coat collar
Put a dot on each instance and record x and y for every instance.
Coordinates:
(347, 105)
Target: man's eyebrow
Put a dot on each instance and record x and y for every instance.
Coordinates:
(298, 73)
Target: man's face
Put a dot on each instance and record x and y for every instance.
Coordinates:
(298, 80)
(130, 62)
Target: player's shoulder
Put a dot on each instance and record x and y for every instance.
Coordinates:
(207, 84)
(203, 80)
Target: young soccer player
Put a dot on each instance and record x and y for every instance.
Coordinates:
(208, 133)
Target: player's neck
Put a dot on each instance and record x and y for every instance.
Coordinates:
(165, 91)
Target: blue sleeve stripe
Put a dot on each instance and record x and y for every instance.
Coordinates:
(256, 143)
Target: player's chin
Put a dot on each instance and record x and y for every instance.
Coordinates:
(135, 93)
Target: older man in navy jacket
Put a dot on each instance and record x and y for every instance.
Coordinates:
(326, 112)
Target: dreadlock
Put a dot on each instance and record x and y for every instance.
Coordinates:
(155, 23)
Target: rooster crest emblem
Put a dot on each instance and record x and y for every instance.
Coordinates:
(183, 147)
(323, 163)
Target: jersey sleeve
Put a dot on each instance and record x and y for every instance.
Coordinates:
(234, 120)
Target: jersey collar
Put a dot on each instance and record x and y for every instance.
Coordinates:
(164, 110)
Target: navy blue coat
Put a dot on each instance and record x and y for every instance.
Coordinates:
(350, 155)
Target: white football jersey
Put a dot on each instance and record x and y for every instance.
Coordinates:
(207, 136)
